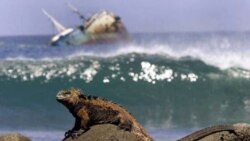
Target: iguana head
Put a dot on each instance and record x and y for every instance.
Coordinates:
(68, 97)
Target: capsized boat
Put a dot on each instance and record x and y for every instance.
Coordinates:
(102, 27)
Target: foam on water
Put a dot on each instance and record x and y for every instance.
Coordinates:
(220, 50)
(219, 57)
(88, 69)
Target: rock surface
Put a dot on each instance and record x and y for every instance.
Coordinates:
(105, 132)
(13, 137)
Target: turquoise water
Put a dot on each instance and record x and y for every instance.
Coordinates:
(172, 83)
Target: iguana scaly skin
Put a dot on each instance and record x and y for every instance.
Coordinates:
(208, 131)
(91, 110)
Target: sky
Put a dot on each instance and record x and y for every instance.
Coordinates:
(24, 17)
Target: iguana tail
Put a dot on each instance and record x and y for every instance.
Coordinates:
(208, 131)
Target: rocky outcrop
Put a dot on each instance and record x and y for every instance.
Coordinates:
(13, 137)
(105, 132)
(236, 132)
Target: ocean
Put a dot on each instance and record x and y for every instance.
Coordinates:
(173, 83)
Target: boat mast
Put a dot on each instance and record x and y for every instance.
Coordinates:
(57, 25)
(75, 10)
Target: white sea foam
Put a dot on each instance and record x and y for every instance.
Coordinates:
(220, 57)
(152, 73)
(223, 59)
(222, 53)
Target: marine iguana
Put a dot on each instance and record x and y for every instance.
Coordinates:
(91, 110)
(208, 131)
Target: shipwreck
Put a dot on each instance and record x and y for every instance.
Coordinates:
(102, 27)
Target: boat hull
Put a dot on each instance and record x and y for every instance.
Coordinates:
(77, 37)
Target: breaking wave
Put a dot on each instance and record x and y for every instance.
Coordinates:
(223, 51)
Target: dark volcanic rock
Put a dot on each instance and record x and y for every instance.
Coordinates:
(13, 137)
(105, 132)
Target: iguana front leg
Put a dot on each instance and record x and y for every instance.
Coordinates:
(74, 129)
(74, 133)
(84, 119)
(81, 124)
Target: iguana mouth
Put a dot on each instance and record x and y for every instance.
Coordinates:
(60, 96)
